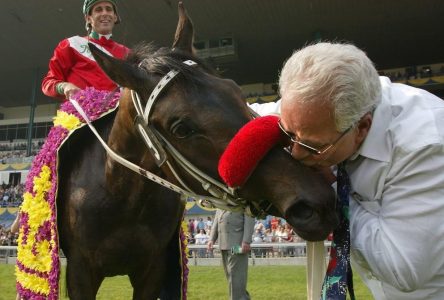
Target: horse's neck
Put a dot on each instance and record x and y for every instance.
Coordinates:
(122, 138)
(125, 142)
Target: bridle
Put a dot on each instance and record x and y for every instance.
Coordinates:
(163, 151)
(222, 196)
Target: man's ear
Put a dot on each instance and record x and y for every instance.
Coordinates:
(87, 19)
(364, 127)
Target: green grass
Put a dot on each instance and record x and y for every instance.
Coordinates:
(264, 283)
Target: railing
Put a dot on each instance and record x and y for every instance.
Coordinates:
(6, 252)
(18, 160)
(261, 254)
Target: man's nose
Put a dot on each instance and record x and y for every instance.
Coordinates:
(298, 152)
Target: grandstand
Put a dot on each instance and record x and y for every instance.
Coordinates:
(248, 44)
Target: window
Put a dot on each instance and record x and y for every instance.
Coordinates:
(214, 44)
(199, 45)
(226, 42)
(41, 130)
(3, 133)
(20, 131)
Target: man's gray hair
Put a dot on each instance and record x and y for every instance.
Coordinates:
(339, 73)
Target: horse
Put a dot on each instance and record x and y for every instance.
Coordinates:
(113, 221)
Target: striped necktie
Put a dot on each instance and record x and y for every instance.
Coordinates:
(339, 273)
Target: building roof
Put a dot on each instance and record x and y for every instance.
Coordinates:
(393, 33)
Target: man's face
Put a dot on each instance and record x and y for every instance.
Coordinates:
(313, 125)
(102, 18)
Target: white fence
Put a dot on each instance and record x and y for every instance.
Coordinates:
(261, 254)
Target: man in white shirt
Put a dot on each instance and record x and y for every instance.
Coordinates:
(336, 108)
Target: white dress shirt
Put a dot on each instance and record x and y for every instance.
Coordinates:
(397, 197)
(397, 203)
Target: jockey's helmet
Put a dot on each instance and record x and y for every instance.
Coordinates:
(88, 4)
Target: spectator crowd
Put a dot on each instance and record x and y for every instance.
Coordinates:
(7, 238)
(270, 230)
(11, 195)
(16, 152)
(413, 72)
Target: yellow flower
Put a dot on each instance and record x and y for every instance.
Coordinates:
(66, 120)
(39, 212)
(42, 183)
(185, 234)
(32, 282)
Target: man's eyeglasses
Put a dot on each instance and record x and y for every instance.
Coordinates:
(313, 150)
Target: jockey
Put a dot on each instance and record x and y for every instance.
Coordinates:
(72, 66)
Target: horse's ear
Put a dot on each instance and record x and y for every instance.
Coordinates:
(183, 39)
(121, 72)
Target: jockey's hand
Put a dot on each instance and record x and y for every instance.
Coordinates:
(210, 245)
(70, 89)
(246, 247)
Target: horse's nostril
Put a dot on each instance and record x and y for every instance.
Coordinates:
(300, 211)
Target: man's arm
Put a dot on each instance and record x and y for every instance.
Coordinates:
(403, 244)
(214, 228)
(54, 83)
(248, 233)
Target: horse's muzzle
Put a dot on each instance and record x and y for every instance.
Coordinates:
(309, 223)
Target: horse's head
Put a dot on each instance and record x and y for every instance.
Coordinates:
(198, 113)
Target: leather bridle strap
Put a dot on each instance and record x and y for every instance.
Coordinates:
(155, 93)
(159, 146)
(159, 87)
(205, 201)
(222, 196)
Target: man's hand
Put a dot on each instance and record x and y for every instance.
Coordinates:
(210, 245)
(69, 89)
(246, 247)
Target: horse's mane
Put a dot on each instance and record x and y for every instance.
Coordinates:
(161, 60)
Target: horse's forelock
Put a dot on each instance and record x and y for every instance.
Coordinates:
(161, 60)
(141, 51)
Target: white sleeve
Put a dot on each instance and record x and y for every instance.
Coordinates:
(269, 108)
(403, 243)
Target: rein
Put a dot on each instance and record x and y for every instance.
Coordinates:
(222, 196)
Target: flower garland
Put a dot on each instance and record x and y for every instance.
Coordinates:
(38, 267)
(184, 257)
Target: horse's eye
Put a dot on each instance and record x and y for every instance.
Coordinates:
(181, 130)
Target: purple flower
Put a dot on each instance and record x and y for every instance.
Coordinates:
(44, 232)
(95, 103)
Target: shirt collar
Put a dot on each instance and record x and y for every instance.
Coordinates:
(97, 36)
(377, 144)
